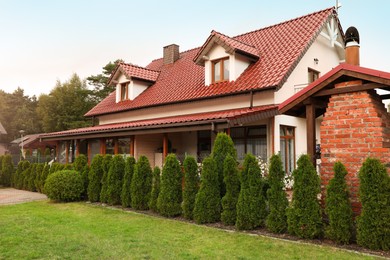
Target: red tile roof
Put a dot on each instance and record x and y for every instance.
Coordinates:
(280, 46)
(232, 116)
(231, 45)
(133, 71)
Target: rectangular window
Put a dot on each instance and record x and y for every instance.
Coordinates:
(110, 146)
(124, 91)
(287, 147)
(312, 75)
(220, 70)
(251, 139)
(124, 146)
(204, 144)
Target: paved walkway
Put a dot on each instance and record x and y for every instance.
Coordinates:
(14, 196)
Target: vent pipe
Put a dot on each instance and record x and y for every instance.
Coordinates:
(352, 46)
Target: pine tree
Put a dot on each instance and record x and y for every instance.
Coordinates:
(126, 192)
(251, 205)
(276, 221)
(373, 224)
(223, 145)
(170, 197)
(141, 184)
(232, 184)
(304, 215)
(95, 178)
(106, 167)
(155, 189)
(208, 201)
(115, 180)
(191, 186)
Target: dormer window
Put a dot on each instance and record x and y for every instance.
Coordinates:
(220, 70)
(124, 91)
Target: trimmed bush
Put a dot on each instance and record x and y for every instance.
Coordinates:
(373, 225)
(223, 145)
(45, 174)
(81, 165)
(141, 184)
(115, 180)
(95, 178)
(38, 177)
(64, 186)
(338, 207)
(251, 205)
(126, 192)
(55, 166)
(7, 170)
(155, 189)
(15, 177)
(232, 184)
(191, 186)
(304, 214)
(106, 167)
(208, 201)
(22, 178)
(31, 178)
(47, 154)
(170, 197)
(276, 221)
(26, 176)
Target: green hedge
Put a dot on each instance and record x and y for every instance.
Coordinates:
(81, 165)
(232, 184)
(106, 167)
(115, 180)
(141, 184)
(64, 186)
(191, 186)
(95, 178)
(155, 189)
(7, 170)
(126, 188)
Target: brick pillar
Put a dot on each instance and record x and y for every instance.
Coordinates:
(355, 126)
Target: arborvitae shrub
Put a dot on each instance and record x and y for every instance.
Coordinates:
(251, 205)
(38, 177)
(223, 145)
(22, 179)
(65, 186)
(232, 184)
(7, 170)
(106, 167)
(1, 166)
(81, 165)
(304, 214)
(45, 174)
(55, 166)
(47, 154)
(26, 176)
(115, 180)
(95, 178)
(126, 192)
(31, 178)
(208, 201)
(170, 197)
(155, 189)
(338, 207)
(191, 186)
(15, 178)
(373, 225)
(141, 184)
(276, 221)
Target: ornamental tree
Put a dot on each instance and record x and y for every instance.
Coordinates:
(95, 178)
(276, 221)
(141, 184)
(7, 170)
(81, 165)
(115, 180)
(155, 189)
(373, 224)
(106, 167)
(251, 205)
(191, 186)
(232, 184)
(126, 192)
(304, 216)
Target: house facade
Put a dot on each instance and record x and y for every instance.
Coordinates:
(178, 103)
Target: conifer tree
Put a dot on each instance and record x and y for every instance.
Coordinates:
(26, 174)
(141, 184)
(304, 218)
(373, 224)
(191, 186)
(81, 166)
(16, 176)
(155, 189)
(232, 184)
(208, 201)
(170, 197)
(7, 170)
(126, 192)
(95, 178)
(276, 221)
(1, 166)
(251, 205)
(31, 178)
(38, 177)
(223, 145)
(106, 167)
(115, 180)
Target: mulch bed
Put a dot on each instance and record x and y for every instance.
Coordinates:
(264, 232)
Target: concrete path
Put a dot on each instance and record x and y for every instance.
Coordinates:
(14, 196)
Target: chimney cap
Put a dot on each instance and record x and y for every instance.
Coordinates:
(352, 35)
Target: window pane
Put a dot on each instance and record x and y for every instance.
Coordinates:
(204, 134)
(95, 148)
(123, 91)
(283, 152)
(124, 145)
(217, 71)
(226, 69)
(257, 147)
(240, 147)
(291, 155)
(237, 132)
(110, 146)
(257, 131)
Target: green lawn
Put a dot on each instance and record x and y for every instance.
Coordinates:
(45, 230)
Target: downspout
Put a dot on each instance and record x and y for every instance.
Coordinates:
(251, 100)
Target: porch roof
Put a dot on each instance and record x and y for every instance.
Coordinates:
(231, 117)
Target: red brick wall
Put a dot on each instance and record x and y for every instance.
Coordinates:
(355, 126)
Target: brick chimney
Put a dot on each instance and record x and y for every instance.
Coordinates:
(171, 53)
(352, 46)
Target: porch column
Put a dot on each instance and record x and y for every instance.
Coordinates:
(77, 147)
(89, 152)
(57, 150)
(103, 146)
(66, 152)
(228, 131)
(165, 146)
(116, 146)
(311, 130)
(132, 139)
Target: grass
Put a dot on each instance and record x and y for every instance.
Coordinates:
(45, 230)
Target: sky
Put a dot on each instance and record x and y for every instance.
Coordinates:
(45, 41)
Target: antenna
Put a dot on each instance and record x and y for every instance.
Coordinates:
(338, 6)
